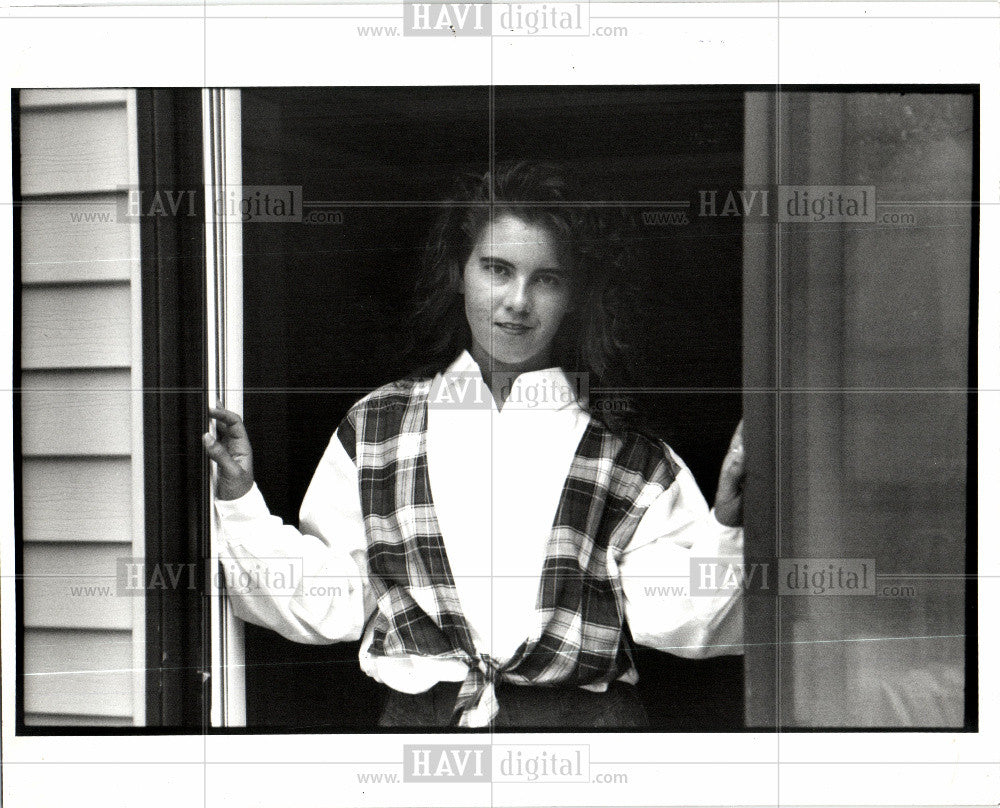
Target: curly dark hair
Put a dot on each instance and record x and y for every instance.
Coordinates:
(596, 241)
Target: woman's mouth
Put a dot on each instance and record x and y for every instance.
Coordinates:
(513, 328)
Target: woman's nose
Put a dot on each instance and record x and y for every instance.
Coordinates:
(517, 298)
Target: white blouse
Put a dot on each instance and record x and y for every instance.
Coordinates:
(496, 477)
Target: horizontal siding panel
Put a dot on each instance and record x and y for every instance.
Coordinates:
(34, 99)
(76, 326)
(77, 499)
(74, 586)
(82, 673)
(73, 150)
(65, 240)
(76, 412)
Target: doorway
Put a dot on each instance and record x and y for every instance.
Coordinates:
(324, 305)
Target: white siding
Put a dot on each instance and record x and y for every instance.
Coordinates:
(82, 673)
(76, 499)
(56, 248)
(69, 412)
(74, 150)
(72, 586)
(81, 408)
(77, 326)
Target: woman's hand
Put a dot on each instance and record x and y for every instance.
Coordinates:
(729, 495)
(231, 453)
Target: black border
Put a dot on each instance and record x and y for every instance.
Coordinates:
(15, 147)
(972, 694)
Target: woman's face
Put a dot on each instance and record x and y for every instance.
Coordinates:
(516, 295)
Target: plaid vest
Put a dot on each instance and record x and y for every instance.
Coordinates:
(579, 636)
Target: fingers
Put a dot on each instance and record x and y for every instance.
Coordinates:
(732, 472)
(734, 459)
(218, 453)
(229, 423)
(736, 442)
(728, 498)
(733, 464)
(224, 415)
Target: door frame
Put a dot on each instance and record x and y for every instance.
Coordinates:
(224, 373)
(173, 413)
(189, 150)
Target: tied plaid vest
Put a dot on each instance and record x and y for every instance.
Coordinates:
(578, 637)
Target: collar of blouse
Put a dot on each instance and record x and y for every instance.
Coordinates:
(461, 387)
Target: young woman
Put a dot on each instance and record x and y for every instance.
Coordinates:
(495, 539)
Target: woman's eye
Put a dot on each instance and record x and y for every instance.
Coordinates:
(549, 279)
(498, 270)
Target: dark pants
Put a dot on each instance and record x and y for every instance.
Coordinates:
(523, 707)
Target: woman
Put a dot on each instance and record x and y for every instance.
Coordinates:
(485, 530)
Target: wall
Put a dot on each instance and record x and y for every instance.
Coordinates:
(81, 408)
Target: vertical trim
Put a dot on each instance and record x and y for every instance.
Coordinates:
(760, 408)
(138, 518)
(174, 415)
(224, 310)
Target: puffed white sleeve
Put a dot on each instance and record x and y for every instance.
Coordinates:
(655, 569)
(308, 584)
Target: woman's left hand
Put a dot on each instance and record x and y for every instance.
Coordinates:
(729, 495)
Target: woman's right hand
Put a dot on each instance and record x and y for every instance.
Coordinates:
(230, 452)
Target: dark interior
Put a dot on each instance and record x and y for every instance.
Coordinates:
(325, 307)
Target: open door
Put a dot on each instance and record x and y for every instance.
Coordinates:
(860, 424)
